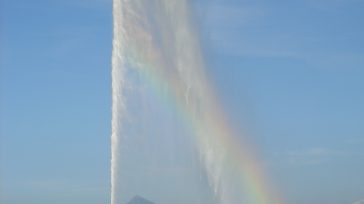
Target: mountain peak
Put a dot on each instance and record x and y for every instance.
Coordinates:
(139, 200)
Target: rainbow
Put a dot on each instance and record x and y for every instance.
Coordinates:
(163, 47)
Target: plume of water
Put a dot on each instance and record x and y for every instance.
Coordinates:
(157, 40)
(118, 106)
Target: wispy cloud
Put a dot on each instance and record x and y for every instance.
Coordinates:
(90, 3)
(257, 30)
(327, 5)
(232, 16)
(359, 202)
(63, 186)
(313, 156)
(231, 31)
(316, 152)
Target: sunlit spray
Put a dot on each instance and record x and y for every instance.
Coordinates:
(158, 39)
(118, 106)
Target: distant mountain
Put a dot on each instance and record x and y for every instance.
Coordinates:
(139, 200)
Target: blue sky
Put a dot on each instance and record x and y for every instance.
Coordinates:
(290, 72)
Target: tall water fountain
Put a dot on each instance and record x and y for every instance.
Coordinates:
(171, 142)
